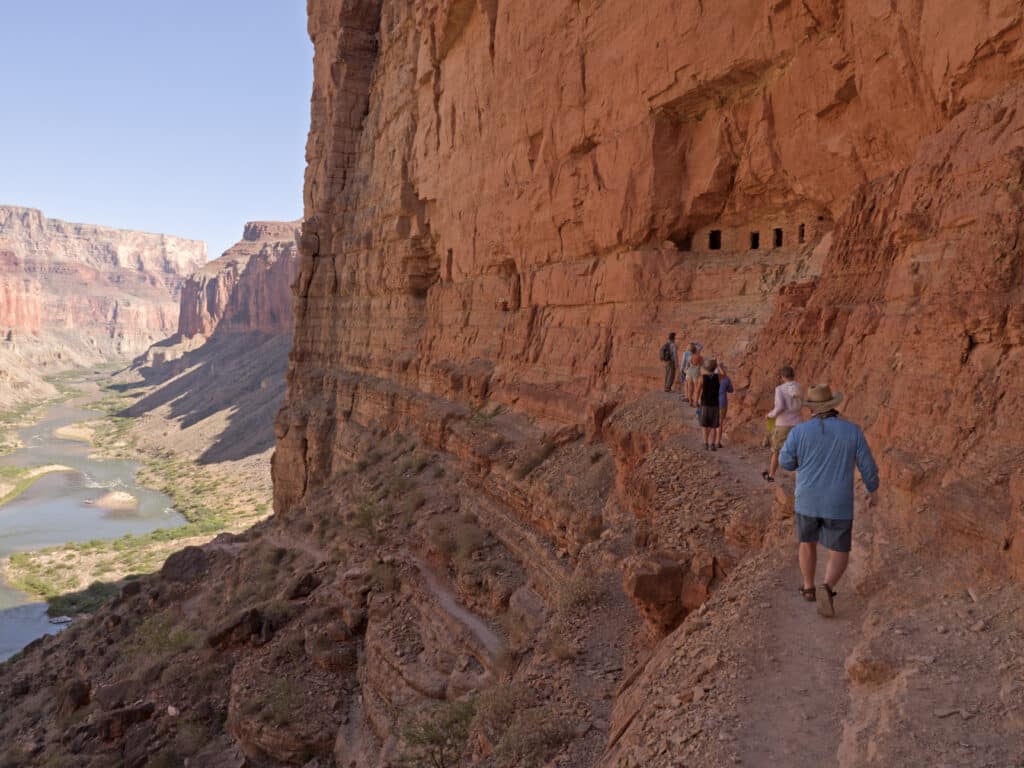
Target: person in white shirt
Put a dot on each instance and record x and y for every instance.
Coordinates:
(788, 403)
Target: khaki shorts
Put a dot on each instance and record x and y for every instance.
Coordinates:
(693, 373)
(779, 435)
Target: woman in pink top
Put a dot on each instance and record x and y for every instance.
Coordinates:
(789, 400)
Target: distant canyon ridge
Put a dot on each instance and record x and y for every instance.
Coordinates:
(73, 295)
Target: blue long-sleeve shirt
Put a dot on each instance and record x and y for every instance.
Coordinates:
(824, 453)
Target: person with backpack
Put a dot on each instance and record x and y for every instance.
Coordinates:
(670, 359)
(788, 403)
(708, 390)
(824, 453)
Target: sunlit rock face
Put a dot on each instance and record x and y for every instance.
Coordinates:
(514, 202)
(248, 288)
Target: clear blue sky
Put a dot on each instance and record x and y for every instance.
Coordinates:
(185, 117)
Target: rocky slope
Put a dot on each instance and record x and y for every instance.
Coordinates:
(78, 294)
(221, 376)
(494, 540)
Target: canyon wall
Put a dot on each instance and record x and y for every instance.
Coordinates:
(247, 289)
(496, 541)
(509, 205)
(222, 374)
(79, 294)
(515, 203)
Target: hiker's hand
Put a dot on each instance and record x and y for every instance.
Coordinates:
(872, 499)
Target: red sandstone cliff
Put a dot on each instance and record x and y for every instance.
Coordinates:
(229, 355)
(247, 288)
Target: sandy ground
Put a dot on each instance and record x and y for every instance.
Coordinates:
(117, 501)
(82, 433)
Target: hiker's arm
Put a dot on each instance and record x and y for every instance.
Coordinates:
(866, 464)
(780, 405)
(788, 459)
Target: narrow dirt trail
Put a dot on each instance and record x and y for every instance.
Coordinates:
(796, 679)
(796, 686)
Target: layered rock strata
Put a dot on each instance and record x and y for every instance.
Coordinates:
(248, 288)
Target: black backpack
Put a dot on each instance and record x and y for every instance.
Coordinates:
(666, 353)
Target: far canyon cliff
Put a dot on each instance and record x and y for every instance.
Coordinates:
(79, 294)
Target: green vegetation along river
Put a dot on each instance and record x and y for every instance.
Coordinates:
(61, 506)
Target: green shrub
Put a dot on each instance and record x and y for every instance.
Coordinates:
(438, 738)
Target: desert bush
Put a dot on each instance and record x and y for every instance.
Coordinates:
(366, 516)
(558, 642)
(497, 707)
(532, 738)
(157, 636)
(580, 591)
(469, 537)
(438, 737)
(397, 487)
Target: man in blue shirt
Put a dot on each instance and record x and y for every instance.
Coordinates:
(824, 452)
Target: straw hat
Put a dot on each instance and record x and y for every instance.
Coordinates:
(820, 398)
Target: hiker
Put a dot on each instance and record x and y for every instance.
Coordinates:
(724, 389)
(788, 402)
(670, 357)
(692, 362)
(824, 451)
(708, 389)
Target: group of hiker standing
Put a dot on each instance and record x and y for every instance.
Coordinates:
(705, 384)
(824, 452)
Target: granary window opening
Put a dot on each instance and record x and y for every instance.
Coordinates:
(776, 238)
(715, 240)
(755, 240)
(801, 233)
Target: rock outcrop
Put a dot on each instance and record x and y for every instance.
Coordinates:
(247, 289)
(79, 294)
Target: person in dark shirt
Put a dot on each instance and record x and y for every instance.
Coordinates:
(708, 388)
(725, 388)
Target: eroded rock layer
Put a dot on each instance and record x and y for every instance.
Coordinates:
(247, 289)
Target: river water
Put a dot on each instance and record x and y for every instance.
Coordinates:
(55, 510)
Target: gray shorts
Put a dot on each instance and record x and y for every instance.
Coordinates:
(836, 535)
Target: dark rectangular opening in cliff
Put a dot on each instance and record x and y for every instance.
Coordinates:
(755, 240)
(683, 241)
(715, 240)
(801, 233)
(777, 238)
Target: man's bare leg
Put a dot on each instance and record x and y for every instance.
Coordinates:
(808, 562)
(773, 464)
(837, 562)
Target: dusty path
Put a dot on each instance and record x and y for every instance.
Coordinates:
(796, 690)
(797, 684)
